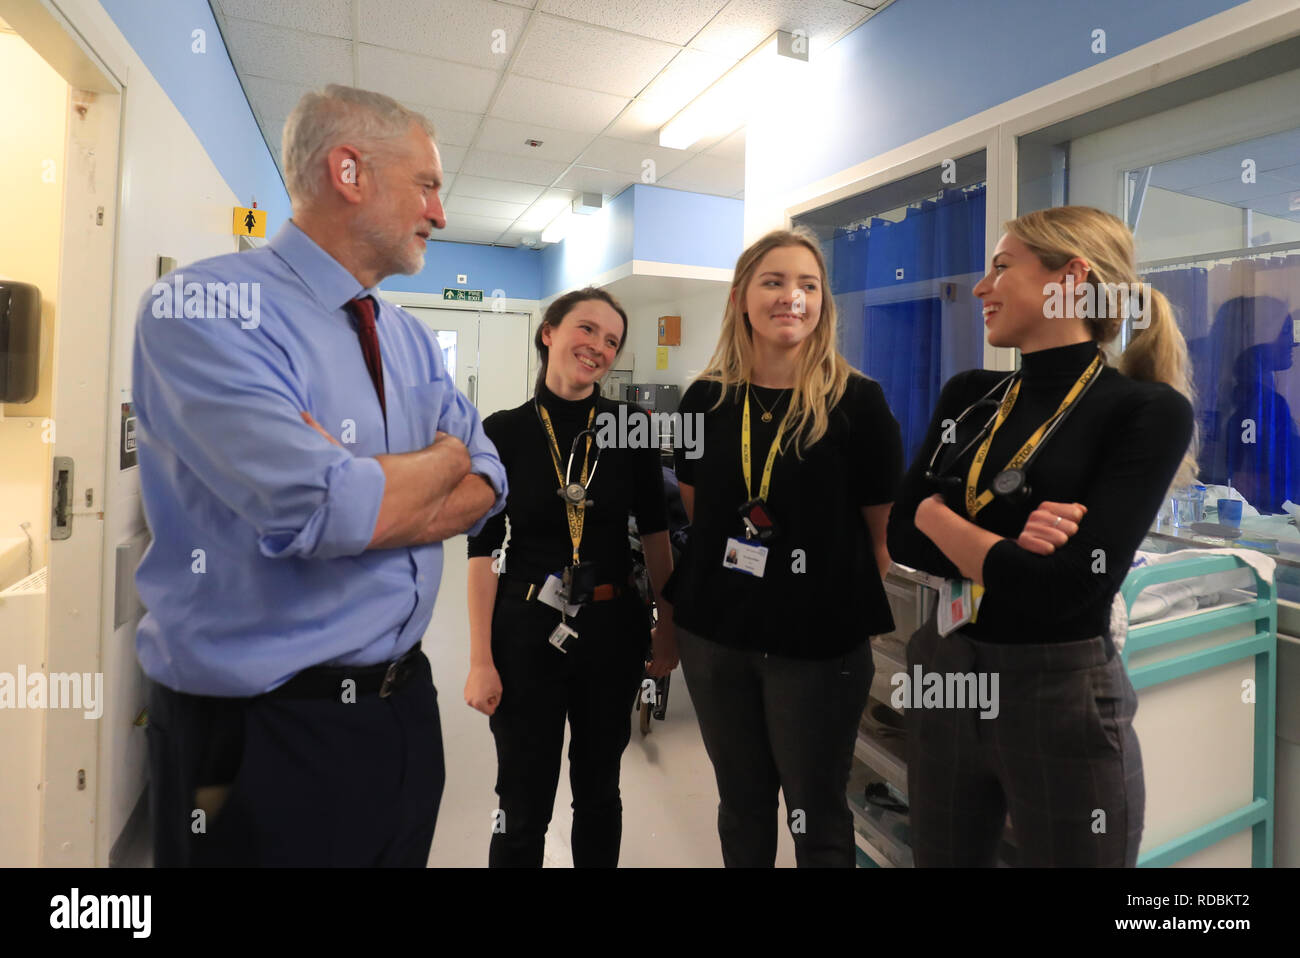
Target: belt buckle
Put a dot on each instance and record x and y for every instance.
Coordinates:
(390, 679)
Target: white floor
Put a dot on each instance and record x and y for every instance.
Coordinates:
(670, 798)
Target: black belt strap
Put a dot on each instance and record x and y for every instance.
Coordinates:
(326, 682)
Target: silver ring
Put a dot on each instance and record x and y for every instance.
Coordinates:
(1057, 522)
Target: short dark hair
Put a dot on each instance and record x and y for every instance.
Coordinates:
(555, 314)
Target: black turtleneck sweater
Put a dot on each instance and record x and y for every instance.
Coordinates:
(1117, 453)
(626, 481)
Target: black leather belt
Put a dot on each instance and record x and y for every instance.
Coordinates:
(326, 682)
(522, 589)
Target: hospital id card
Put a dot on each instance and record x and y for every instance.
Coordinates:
(956, 605)
(747, 557)
(552, 593)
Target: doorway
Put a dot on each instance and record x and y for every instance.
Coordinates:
(486, 352)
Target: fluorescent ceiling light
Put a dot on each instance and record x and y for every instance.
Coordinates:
(728, 103)
(559, 227)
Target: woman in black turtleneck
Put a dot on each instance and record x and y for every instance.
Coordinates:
(1052, 742)
(526, 684)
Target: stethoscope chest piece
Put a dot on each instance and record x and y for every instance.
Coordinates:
(1009, 483)
(574, 494)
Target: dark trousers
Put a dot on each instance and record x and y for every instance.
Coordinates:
(594, 686)
(1061, 756)
(771, 723)
(312, 782)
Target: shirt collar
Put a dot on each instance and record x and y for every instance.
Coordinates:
(325, 276)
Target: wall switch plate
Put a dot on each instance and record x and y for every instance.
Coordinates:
(461, 279)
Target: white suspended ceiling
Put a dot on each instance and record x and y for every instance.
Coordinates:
(593, 80)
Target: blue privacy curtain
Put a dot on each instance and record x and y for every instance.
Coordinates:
(904, 344)
(1242, 352)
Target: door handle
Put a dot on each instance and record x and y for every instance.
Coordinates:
(473, 389)
(61, 514)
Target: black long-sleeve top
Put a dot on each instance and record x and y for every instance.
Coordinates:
(821, 594)
(626, 481)
(1117, 453)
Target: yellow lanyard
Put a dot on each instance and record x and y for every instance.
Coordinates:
(975, 503)
(766, 482)
(576, 514)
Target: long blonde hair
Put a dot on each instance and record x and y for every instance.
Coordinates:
(1157, 353)
(821, 374)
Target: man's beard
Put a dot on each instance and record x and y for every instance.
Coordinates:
(390, 246)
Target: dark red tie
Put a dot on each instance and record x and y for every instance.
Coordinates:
(363, 309)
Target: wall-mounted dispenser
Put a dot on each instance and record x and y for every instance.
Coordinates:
(20, 341)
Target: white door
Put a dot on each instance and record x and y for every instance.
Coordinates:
(487, 352)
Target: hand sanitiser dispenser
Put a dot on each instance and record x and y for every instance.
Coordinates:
(20, 341)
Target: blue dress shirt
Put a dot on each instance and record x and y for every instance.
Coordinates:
(258, 566)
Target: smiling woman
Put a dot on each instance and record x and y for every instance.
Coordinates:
(557, 632)
(781, 580)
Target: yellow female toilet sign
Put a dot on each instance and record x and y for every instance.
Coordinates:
(250, 222)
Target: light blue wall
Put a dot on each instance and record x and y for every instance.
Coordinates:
(596, 243)
(689, 228)
(205, 90)
(921, 65)
(517, 271)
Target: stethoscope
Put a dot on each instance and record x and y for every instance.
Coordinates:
(1010, 484)
(574, 493)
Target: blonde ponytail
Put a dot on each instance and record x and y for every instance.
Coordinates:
(1158, 351)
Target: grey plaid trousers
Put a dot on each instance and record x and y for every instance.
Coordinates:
(1060, 755)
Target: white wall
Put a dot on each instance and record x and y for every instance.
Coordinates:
(701, 315)
(173, 202)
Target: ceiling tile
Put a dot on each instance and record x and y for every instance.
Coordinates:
(587, 180)
(559, 107)
(547, 206)
(690, 74)
(467, 221)
(731, 148)
(707, 174)
(626, 156)
(642, 120)
(673, 21)
(453, 127)
(579, 55)
(506, 136)
(520, 168)
(462, 31)
(273, 98)
(453, 157)
(451, 235)
(744, 24)
(450, 86)
(476, 207)
(491, 189)
(330, 17)
(527, 238)
(290, 55)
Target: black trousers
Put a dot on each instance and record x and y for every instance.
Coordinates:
(1060, 756)
(771, 723)
(312, 782)
(594, 685)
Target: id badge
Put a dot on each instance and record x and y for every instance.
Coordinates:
(563, 633)
(956, 605)
(552, 594)
(747, 557)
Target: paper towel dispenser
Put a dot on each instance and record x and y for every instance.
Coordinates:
(20, 341)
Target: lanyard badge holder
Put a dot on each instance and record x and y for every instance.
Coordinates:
(577, 583)
(749, 555)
